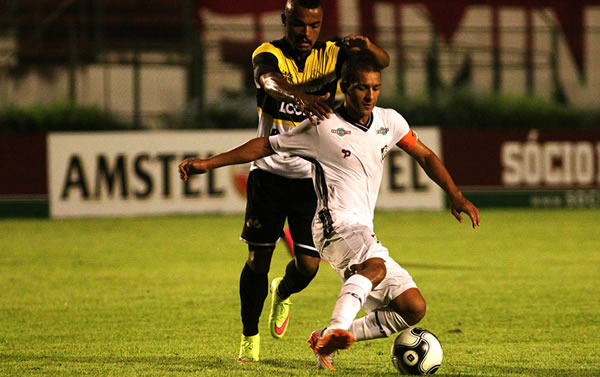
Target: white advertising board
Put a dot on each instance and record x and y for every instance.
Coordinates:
(135, 173)
(405, 185)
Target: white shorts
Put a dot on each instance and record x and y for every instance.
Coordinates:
(354, 244)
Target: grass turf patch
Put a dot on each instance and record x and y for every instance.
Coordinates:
(158, 296)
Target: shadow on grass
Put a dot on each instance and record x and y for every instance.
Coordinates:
(489, 371)
(171, 363)
(167, 363)
(286, 365)
(502, 371)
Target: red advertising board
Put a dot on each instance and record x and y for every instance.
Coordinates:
(23, 179)
(23, 166)
(539, 168)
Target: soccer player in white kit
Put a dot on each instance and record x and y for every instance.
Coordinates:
(348, 151)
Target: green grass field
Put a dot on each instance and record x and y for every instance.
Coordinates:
(159, 296)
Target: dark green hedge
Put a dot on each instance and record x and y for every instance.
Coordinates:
(234, 110)
(458, 109)
(462, 109)
(57, 117)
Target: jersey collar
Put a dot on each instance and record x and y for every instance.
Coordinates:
(344, 114)
(288, 51)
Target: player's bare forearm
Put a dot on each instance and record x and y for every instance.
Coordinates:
(280, 89)
(434, 167)
(380, 55)
(252, 150)
(357, 43)
(436, 170)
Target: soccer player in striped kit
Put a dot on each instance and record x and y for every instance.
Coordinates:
(296, 77)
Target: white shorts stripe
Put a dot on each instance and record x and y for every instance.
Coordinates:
(258, 243)
(306, 246)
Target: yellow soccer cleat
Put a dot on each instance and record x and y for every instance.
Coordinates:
(280, 311)
(249, 348)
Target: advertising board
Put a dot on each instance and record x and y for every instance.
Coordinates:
(525, 168)
(135, 173)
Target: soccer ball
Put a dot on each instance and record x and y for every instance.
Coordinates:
(417, 351)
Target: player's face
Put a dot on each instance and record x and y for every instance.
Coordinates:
(362, 95)
(302, 28)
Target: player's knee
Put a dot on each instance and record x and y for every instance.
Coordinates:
(411, 306)
(415, 310)
(259, 258)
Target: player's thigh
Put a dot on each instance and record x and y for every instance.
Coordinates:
(301, 211)
(364, 244)
(350, 244)
(265, 210)
(396, 282)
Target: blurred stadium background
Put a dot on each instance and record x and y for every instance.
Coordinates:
(100, 100)
(507, 92)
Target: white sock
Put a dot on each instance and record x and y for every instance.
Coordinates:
(377, 324)
(352, 297)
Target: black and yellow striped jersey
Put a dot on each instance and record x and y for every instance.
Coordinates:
(317, 74)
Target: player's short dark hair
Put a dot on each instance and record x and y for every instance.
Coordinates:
(360, 62)
(308, 4)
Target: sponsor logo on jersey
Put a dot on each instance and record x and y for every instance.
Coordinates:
(289, 109)
(341, 132)
(383, 131)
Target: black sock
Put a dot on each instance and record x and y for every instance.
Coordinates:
(253, 292)
(293, 281)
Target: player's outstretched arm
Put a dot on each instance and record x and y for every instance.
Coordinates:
(436, 170)
(254, 149)
(314, 107)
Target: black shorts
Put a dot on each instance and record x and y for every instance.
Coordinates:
(271, 199)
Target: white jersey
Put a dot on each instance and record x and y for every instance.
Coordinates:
(286, 166)
(347, 159)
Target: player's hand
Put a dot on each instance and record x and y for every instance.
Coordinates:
(314, 107)
(356, 42)
(191, 166)
(461, 204)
